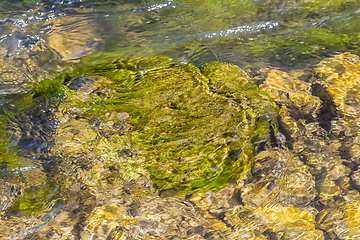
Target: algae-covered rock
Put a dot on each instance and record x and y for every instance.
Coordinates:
(193, 129)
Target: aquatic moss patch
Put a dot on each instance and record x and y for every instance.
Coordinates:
(35, 199)
(8, 158)
(195, 129)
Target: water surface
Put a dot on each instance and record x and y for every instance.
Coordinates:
(40, 198)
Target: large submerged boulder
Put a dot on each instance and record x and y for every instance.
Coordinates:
(192, 129)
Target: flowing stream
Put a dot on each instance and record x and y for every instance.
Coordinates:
(304, 185)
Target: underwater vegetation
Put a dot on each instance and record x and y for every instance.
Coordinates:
(193, 129)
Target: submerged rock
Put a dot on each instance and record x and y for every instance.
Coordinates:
(320, 121)
(341, 220)
(292, 93)
(340, 78)
(193, 129)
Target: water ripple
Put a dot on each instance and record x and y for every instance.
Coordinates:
(246, 29)
(169, 4)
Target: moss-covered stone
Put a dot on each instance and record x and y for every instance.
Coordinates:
(36, 198)
(195, 129)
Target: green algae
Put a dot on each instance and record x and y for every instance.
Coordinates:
(8, 158)
(35, 199)
(195, 128)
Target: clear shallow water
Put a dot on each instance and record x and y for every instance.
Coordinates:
(39, 38)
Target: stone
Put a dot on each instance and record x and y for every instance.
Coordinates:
(341, 220)
(340, 76)
(192, 129)
(290, 92)
(288, 181)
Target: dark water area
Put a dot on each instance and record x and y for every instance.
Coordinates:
(75, 165)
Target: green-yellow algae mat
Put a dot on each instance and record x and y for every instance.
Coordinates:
(196, 129)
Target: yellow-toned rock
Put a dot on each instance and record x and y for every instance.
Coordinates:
(73, 37)
(355, 148)
(290, 122)
(287, 180)
(340, 76)
(337, 171)
(268, 166)
(316, 149)
(215, 204)
(280, 218)
(296, 185)
(355, 176)
(106, 219)
(291, 92)
(15, 227)
(284, 220)
(74, 138)
(220, 226)
(328, 189)
(341, 220)
(16, 73)
(247, 234)
(315, 234)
